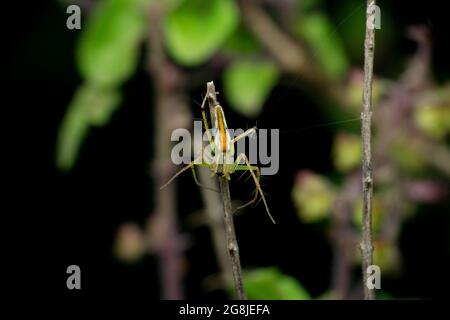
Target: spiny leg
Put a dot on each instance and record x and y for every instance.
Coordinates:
(242, 174)
(247, 165)
(208, 133)
(236, 164)
(199, 184)
(238, 167)
(243, 135)
(190, 165)
(245, 168)
(205, 122)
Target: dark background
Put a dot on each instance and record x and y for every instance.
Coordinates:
(65, 219)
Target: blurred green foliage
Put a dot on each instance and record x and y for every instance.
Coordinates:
(317, 30)
(196, 29)
(241, 42)
(432, 113)
(434, 121)
(108, 49)
(270, 284)
(110, 45)
(408, 158)
(346, 151)
(90, 106)
(313, 196)
(248, 83)
(107, 55)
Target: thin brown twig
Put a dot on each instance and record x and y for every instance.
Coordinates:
(233, 249)
(167, 81)
(212, 201)
(367, 180)
(291, 55)
(232, 245)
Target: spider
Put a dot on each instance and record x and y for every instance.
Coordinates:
(220, 155)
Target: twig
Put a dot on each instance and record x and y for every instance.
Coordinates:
(233, 249)
(292, 56)
(212, 201)
(232, 245)
(167, 80)
(367, 181)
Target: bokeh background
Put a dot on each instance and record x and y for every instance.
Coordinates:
(101, 102)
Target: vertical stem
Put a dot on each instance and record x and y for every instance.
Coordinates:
(232, 245)
(167, 81)
(213, 204)
(367, 181)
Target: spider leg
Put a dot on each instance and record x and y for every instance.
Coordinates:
(247, 166)
(205, 122)
(249, 132)
(190, 165)
(199, 184)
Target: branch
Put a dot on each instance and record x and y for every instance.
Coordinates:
(367, 181)
(167, 81)
(232, 245)
(291, 56)
(212, 201)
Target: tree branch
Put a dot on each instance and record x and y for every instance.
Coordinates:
(291, 55)
(212, 201)
(367, 181)
(168, 83)
(232, 245)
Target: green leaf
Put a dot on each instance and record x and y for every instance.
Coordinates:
(271, 284)
(242, 42)
(313, 196)
(247, 84)
(108, 49)
(346, 151)
(408, 158)
(306, 5)
(319, 33)
(90, 106)
(196, 29)
(434, 121)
